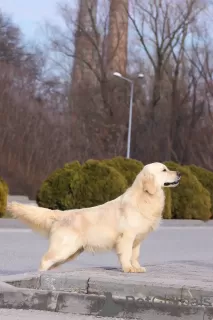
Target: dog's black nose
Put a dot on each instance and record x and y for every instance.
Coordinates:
(179, 174)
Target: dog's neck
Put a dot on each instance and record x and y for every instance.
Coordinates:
(135, 198)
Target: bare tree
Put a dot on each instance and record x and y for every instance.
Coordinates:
(46, 120)
(164, 29)
(30, 130)
(98, 102)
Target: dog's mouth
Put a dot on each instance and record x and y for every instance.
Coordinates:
(174, 183)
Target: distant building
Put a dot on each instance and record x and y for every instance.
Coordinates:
(117, 41)
(85, 51)
(83, 99)
(115, 47)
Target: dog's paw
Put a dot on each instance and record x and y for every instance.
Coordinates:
(134, 270)
(128, 269)
(140, 270)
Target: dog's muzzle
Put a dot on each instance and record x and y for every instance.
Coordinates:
(166, 184)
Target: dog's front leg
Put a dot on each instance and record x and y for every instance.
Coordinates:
(135, 257)
(124, 251)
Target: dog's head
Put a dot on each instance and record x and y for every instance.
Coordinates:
(156, 175)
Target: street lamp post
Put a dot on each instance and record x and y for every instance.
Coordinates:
(140, 75)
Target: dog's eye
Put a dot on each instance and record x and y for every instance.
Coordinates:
(164, 170)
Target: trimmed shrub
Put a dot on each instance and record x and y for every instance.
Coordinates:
(190, 200)
(72, 165)
(75, 187)
(3, 197)
(54, 191)
(167, 213)
(100, 183)
(206, 178)
(129, 168)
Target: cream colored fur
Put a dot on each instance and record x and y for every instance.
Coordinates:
(120, 225)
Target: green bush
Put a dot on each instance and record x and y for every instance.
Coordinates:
(190, 200)
(129, 168)
(72, 165)
(206, 179)
(55, 192)
(96, 182)
(3, 197)
(167, 213)
(76, 186)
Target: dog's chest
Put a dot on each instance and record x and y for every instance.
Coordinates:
(157, 208)
(144, 217)
(152, 215)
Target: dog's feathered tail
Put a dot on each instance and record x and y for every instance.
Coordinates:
(38, 219)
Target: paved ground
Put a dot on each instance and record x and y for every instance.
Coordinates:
(21, 250)
(177, 243)
(191, 246)
(40, 315)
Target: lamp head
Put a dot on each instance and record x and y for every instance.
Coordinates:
(117, 74)
(141, 75)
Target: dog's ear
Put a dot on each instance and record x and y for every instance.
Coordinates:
(149, 184)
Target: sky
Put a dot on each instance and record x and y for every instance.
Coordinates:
(30, 14)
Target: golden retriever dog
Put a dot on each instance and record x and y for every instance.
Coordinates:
(120, 225)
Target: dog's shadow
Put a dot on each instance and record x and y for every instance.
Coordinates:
(107, 269)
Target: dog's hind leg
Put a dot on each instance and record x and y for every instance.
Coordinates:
(64, 245)
(75, 255)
